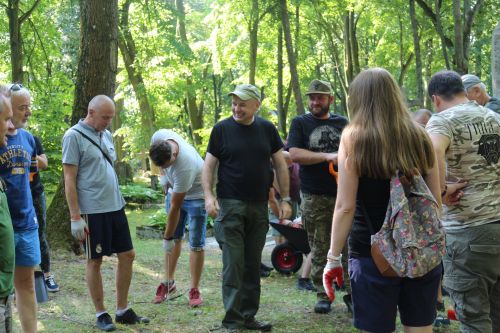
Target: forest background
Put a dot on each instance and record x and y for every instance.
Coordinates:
(177, 59)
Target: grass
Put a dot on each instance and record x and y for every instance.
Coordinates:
(71, 310)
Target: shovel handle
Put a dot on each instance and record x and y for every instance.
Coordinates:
(332, 171)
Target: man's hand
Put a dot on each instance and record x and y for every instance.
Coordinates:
(168, 245)
(79, 229)
(333, 272)
(453, 193)
(285, 210)
(212, 207)
(331, 157)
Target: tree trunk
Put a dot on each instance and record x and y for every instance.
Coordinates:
(439, 29)
(127, 49)
(96, 74)
(418, 58)
(253, 29)
(495, 61)
(458, 56)
(195, 113)
(291, 58)
(281, 109)
(15, 37)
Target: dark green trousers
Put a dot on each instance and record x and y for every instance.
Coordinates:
(241, 229)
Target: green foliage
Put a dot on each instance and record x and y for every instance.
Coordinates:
(140, 193)
(158, 219)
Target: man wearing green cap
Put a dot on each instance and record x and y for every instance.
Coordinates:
(475, 90)
(240, 149)
(314, 141)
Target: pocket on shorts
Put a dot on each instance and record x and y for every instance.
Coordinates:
(486, 249)
(465, 294)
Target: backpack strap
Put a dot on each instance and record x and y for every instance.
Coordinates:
(95, 144)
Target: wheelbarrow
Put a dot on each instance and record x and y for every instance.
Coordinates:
(287, 257)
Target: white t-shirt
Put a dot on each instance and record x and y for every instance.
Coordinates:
(184, 175)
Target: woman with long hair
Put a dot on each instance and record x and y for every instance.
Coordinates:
(380, 140)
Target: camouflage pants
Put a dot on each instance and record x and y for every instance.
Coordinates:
(317, 213)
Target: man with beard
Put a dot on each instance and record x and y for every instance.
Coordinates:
(314, 141)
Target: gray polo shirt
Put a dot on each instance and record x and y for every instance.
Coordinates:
(96, 181)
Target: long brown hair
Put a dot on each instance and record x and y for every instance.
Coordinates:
(382, 136)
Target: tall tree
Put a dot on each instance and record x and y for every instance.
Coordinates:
(292, 61)
(16, 41)
(96, 75)
(194, 110)
(128, 50)
(418, 57)
(495, 61)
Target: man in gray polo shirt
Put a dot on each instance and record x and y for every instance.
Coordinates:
(97, 208)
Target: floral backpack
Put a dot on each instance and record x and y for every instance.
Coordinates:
(411, 240)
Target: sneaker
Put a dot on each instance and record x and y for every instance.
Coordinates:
(105, 323)
(305, 284)
(253, 324)
(323, 306)
(51, 284)
(195, 297)
(130, 318)
(163, 291)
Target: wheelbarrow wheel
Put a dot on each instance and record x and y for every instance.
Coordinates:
(286, 259)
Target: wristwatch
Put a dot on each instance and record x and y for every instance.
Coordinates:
(286, 199)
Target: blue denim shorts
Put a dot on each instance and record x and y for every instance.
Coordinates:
(27, 248)
(194, 215)
(376, 298)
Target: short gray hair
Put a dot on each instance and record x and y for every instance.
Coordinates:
(22, 91)
(481, 86)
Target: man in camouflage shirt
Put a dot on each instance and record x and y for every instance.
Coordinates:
(466, 137)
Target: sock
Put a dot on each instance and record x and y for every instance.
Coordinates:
(98, 314)
(120, 312)
(168, 282)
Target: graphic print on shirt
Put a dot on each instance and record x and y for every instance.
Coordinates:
(15, 158)
(489, 148)
(325, 139)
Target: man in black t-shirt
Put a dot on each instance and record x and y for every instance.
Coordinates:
(314, 141)
(240, 149)
(40, 162)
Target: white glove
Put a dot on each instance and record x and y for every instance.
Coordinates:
(168, 245)
(79, 229)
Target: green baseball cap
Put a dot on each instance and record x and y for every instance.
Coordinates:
(246, 92)
(319, 87)
(470, 80)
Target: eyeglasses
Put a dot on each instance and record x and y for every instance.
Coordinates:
(16, 87)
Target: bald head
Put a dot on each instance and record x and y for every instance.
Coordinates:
(100, 112)
(422, 116)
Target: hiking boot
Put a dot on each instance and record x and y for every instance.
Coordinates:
(105, 323)
(305, 284)
(253, 324)
(51, 284)
(323, 306)
(264, 267)
(163, 291)
(195, 297)
(130, 318)
(264, 273)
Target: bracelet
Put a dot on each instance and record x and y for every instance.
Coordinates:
(168, 239)
(286, 199)
(331, 257)
(444, 191)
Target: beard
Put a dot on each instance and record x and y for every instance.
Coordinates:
(320, 112)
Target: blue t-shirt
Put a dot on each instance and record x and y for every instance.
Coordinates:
(15, 160)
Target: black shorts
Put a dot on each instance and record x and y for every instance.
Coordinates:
(108, 234)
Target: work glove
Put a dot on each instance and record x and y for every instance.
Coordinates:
(79, 229)
(168, 245)
(333, 272)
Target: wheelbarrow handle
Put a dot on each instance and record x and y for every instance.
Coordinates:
(332, 171)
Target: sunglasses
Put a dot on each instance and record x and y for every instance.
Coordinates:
(16, 87)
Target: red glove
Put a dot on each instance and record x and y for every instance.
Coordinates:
(333, 272)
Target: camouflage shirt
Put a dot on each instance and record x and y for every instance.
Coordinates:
(473, 155)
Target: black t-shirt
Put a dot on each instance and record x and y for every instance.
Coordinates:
(244, 153)
(375, 194)
(317, 135)
(35, 183)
